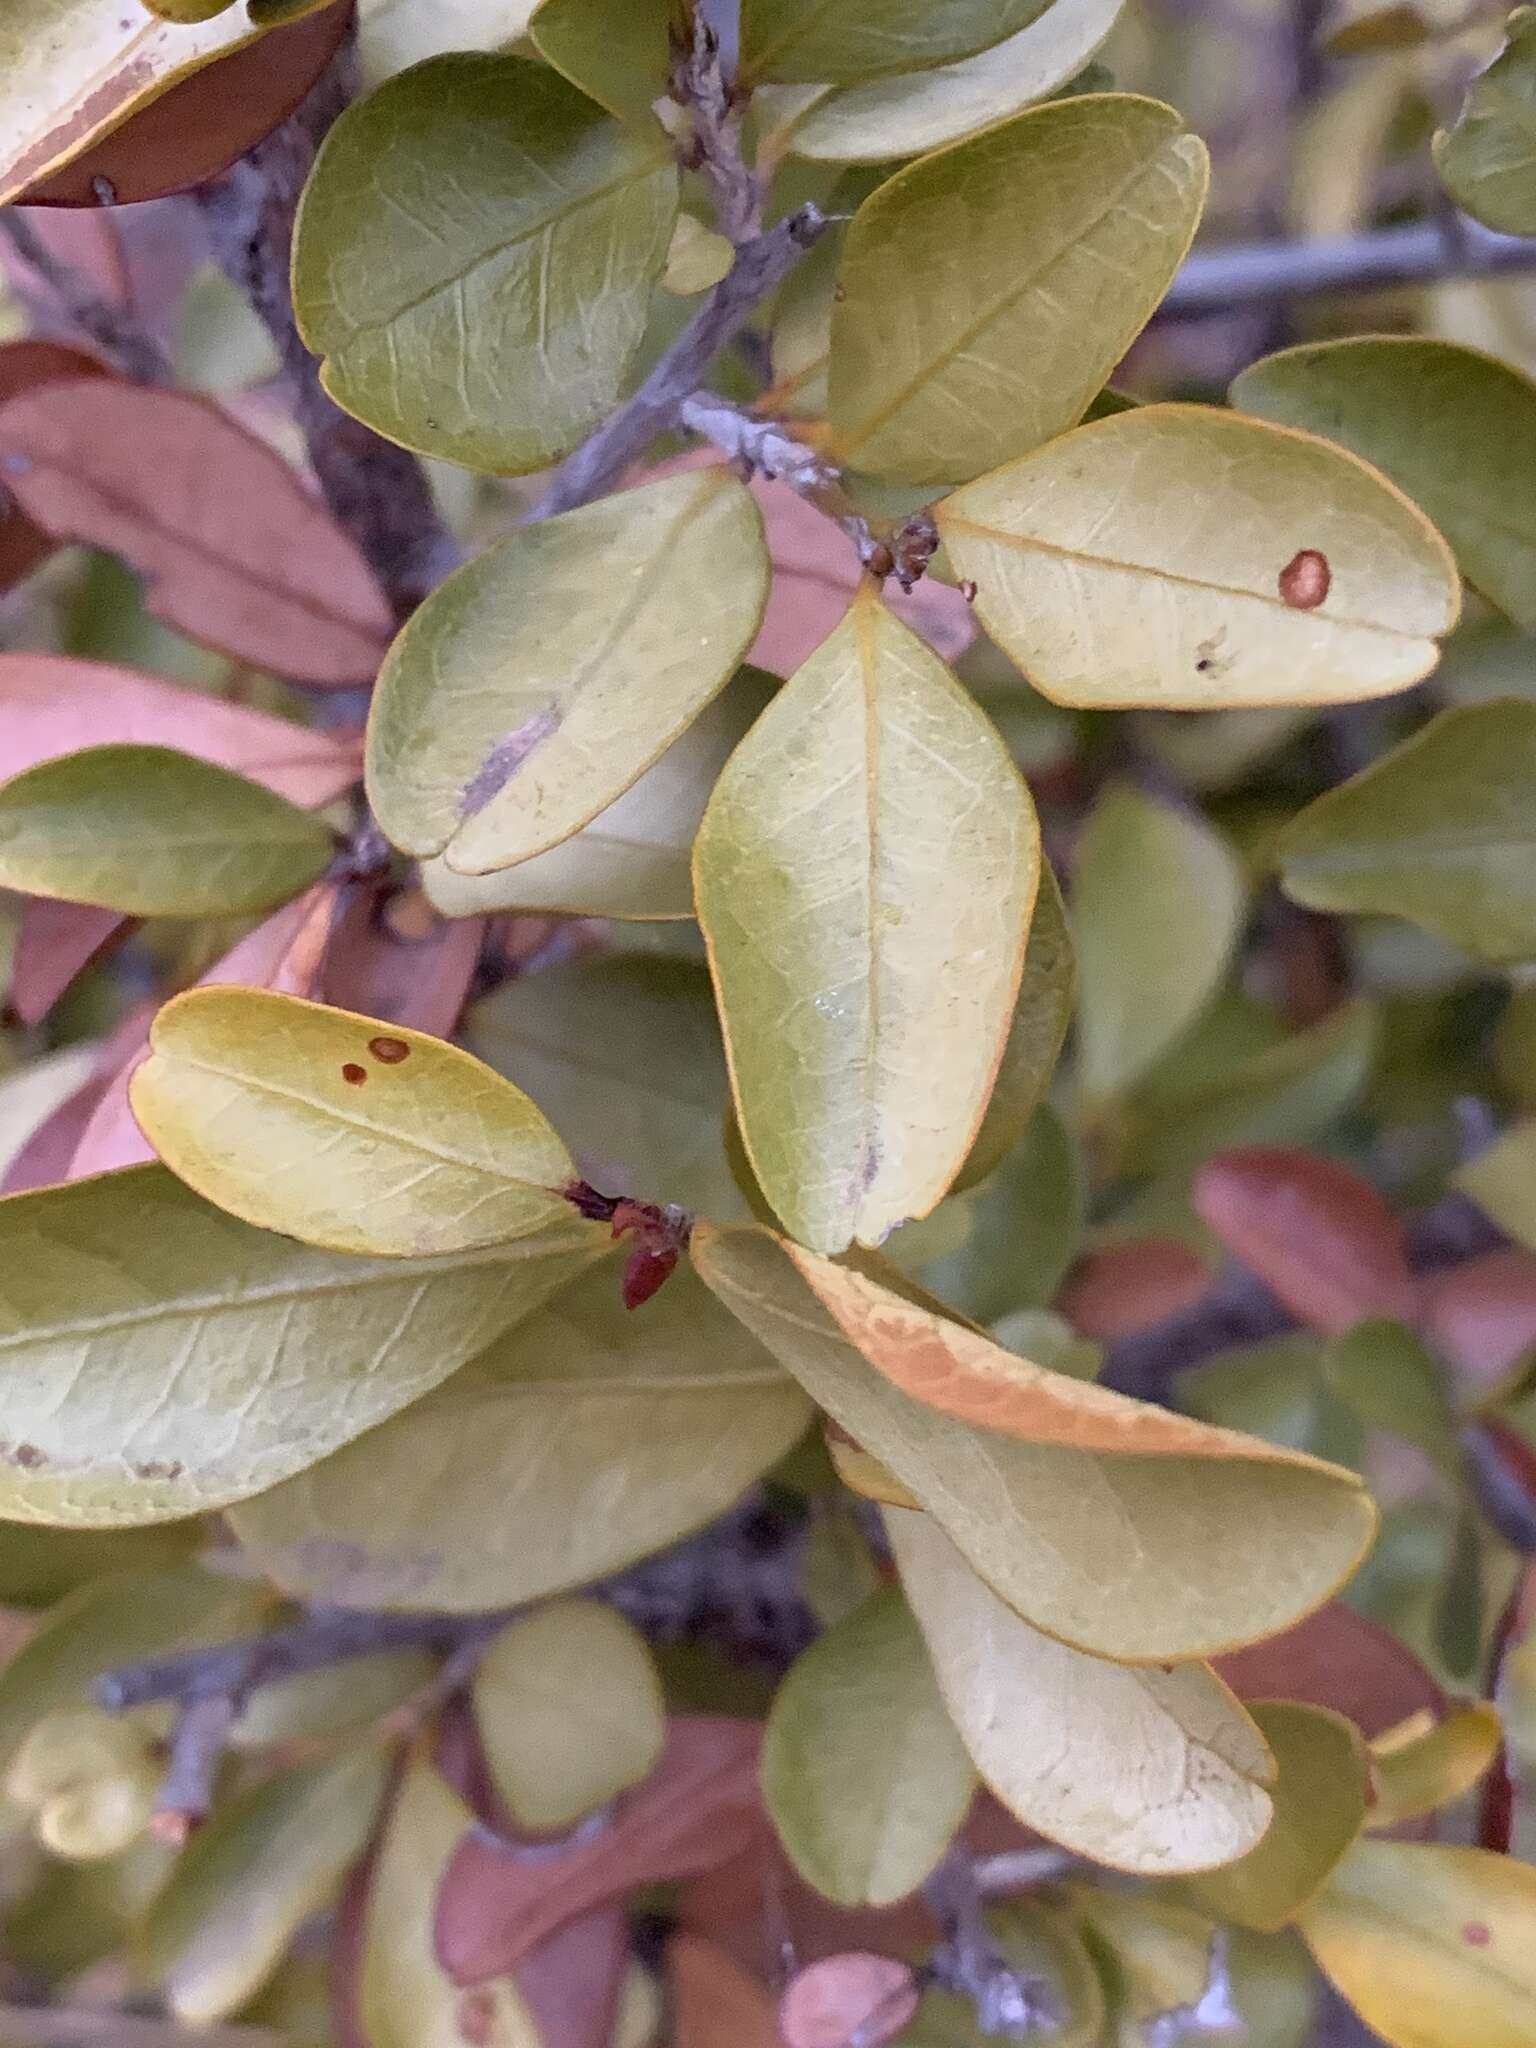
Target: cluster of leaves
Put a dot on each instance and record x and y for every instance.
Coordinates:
(685, 889)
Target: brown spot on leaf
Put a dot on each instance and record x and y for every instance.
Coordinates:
(505, 758)
(389, 1052)
(29, 1457)
(967, 590)
(1476, 1934)
(1305, 579)
(157, 1468)
(353, 1074)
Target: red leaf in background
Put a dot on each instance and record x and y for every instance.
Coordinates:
(715, 2004)
(1318, 1235)
(855, 1997)
(54, 942)
(1122, 1288)
(52, 704)
(202, 125)
(24, 364)
(698, 1809)
(1481, 1315)
(46, 1157)
(233, 548)
(402, 962)
(572, 1981)
(1336, 1658)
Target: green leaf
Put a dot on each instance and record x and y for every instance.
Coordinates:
(1033, 1045)
(1119, 1528)
(474, 258)
(1383, 1372)
(922, 110)
(153, 833)
(335, 1700)
(569, 1711)
(1456, 429)
(617, 51)
(625, 1053)
(1415, 1771)
(40, 1566)
(1438, 831)
(834, 41)
(405, 1998)
(163, 1359)
(1431, 1946)
(420, 1148)
(1319, 1800)
(1487, 158)
(572, 1447)
(119, 1618)
(1157, 905)
(635, 859)
(1145, 1768)
(1297, 576)
(250, 1879)
(1275, 1389)
(865, 875)
(1502, 1182)
(863, 1773)
(1037, 1942)
(989, 289)
(540, 681)
(1025, 1225)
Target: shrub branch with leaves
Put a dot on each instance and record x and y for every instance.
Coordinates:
(604, 1445)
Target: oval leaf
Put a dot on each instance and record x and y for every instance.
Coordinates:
(1153, 1771)
(125, 1289)
(989, 289)
(863, 1773)
(546, 676)
(153, 833)
(809, 40)
(474, 258)
(1296, 574)
(564, 1452)
(23, 364)
(256, 566)
(1487, 157)
(1413, 1774)
(422, 1149)
(865, 875)
(1205, 1540)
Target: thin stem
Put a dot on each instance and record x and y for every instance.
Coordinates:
(1215, 281)
(1010, 2003)
(124, 345)
(197, 1748)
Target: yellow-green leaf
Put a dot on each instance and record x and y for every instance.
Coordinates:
(569, 1449)
(1294, 573)
(625, 1054)
(864, 1775)
(838, 40)
(249, 1880)
(1158, 901)
(1038, 1943)
(1319, 1799)
(635, 859)
(1415, 1771)
(1487, 158)
(474, 258)
(1151, 1770)
(345, 1132)
(538, 683)
(1120, 1528)
(394, 34)
(617, 51)
(569, 1710)
(1432, 1946)
(405, 1997)
(154, 833)
(1389, 1378)
(161, 1358)
(1454, 428)
(1502, 1181)
(1438, 830)
(70, 70)
(990, 288)
(865, 875)
(922, 110)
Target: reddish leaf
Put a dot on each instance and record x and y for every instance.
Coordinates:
(55, 941)
(1121, 1288)
(572, 1981)
(235, 551)
(387, 961)
(856, 1997)
(53, 704)
(46, 1157)
(24, 364)
(1336, 1658)
(1481, 1315)
(715, 2004)
(1317, 1234)
(201, 126)
(698, 1809)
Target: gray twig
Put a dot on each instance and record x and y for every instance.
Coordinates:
(623, 438)
(197, 1747)
(116, 336)
(1219, 280)
(1213, 2014)
(1010, 2003)
(713, 113)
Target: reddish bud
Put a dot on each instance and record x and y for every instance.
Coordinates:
(645, 1273)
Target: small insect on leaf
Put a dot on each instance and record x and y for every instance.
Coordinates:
(1305, 579)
